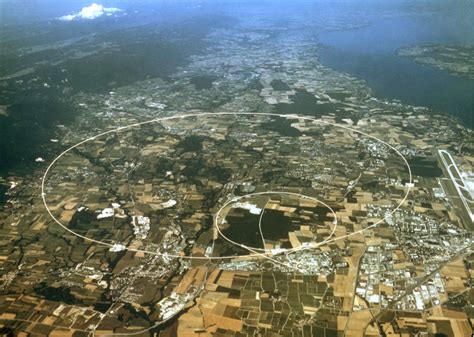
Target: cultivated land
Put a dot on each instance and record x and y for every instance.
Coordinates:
(288, 202)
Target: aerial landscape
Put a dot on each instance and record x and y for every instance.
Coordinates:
(237, 168)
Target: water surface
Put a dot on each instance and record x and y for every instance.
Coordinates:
(370, 53)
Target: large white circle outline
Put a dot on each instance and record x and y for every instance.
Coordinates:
(160, 119)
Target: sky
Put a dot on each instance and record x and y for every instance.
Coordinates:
(32, 10)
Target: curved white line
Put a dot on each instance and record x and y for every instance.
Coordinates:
(255, 254)
(267, 252)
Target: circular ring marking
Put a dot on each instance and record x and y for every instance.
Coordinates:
(175, 117)
(252, 249)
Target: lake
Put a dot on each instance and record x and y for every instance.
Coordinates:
(370, 53)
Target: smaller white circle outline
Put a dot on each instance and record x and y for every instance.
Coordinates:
(253, 249)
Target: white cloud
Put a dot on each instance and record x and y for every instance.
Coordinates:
(91, 12)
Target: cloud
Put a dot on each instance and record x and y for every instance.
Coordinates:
(90, 12)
